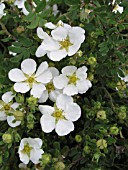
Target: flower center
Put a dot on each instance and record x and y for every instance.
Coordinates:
(116, 8)
(65, 44)
(31, 80)
(58, 114)
(73, 79)
(50, 87)
(27, 149)
(7, 107)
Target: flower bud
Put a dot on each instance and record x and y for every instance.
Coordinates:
(19, 98)
(32, 100)
(101, 144)
(19, 116)
(86, 149)
(7, 138)
(46, 158)
(122, 115)
(121, 85)
(78, 138)
(59, 166)
(101, 115)
(92, 60)
(90, 77)
(80, 53)
(20, 29)
(123, 109)
(114, 130)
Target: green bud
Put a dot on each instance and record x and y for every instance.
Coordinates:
(92, 60)
(101, 115)
(114, 130)
(123, 109)
(122, 115)
(19, 98)
(101, 144)
(90, 77)
(86, 149)
(19, 116)
(20, 29)
(80, 53)
(7, 138)
(78, 138)
(46, 158)
(59, 166)
(97, 105)
(32, 100)
(121, 85)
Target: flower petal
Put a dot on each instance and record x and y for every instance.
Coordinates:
(7, 97)
(70, 90)
(15, 105)
(73, 49)
(54, 94)
(28, 66)
(2, 116)
(42, 67)
(57, 55)
(69, 70)
(54, 71)
(40, 51)
(50, 25)
(81, 72)
(16, 75)
(60, 81)
(35, 155)
(83, 85)
(35, 143)
(45, 77)
(44, 97)
(49, 44)
(64, 127)
(62, 100)
(21, 87)
(47, 123)
(41, 34)
(46, 110)
(37, 90)
(24, 157)
(72, 111)
(11, 119)
(60, 33)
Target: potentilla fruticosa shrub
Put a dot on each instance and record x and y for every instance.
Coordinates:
(64, 84)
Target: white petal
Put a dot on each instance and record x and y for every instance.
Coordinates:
(64, 127)
(45, 77)
(47, 123)
(45, 109)
(15, 105)
(35, 143)
(60, 81)
(24, 157)
(16, 75)
(60, 33)
(10, 120)
(21, 87)
(72, 111)
(50, 25)
(70, 90)
(62, 100)
(83, 85)
(57, 55)
(2, 116)
(81, 72)
(69, 70)
(54, 71)
(37, 90)
(125, 78)
(24, 10)
(19, 3)
(49, 44)
(7, 97)
(40, 51)
(44, 97)
(28, 66)
(73, 49)
(53, 95)
(35, 155)
(41, 34)
(42, 67)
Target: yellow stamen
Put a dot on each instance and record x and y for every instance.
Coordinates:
(65, 44)
(73, 79)
(50, 87)
(7, 107)
(27, 149)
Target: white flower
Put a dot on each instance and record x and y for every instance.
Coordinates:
(72, 80)
(61, 116)
(118, 8)
(51, 92)
(50, 25)
(64, 41)
(20, 4)
(7, 108)
(27, 79)
(29, 149)
(55, 9)
(2, 7)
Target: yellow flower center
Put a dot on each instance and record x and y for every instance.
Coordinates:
(58, 114)
(115, 8)
(73, 79)
(27, 149)
(7, 107)
(65, 44)
(50, 87)
(31, 79)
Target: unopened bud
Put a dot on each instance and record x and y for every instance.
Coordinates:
(59, 166)
(20, 29)
(114, 130)
(101, 115)
(78, 138)
(19, 115)
(7, 138)
(101, 144)
(92, 60)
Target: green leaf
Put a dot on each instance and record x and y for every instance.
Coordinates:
(72, 2)
(16, 49)
(41, 5)
(34, 23)
(17, 58)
